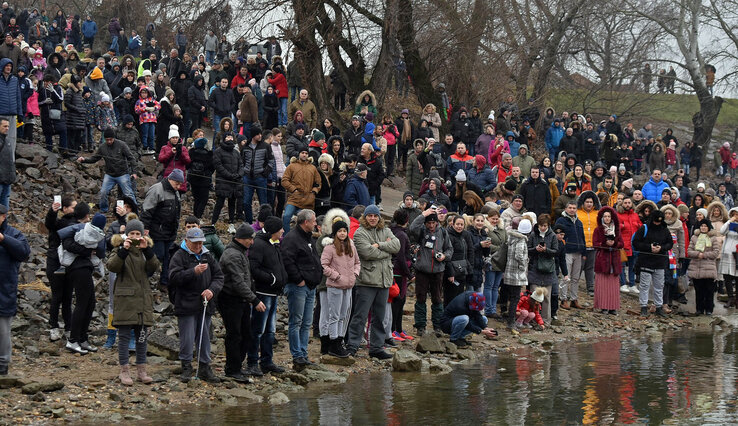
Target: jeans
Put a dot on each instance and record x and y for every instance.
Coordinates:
(6, 346)
(552, 154)
(300, 302)
(189, 335)
(276, 193)
(251, 185)
(335, 306)
(589, 270)
(263, 327)
(289, 211)
(282, 116)
(161, 250)
(114, 45)
(209, 56)
(49, 136)
(570, 287)
(147, 135)
(492, 281)
(368, 299)
(90, 137)
(124, 339)
(123, 182)
(655, 278)
(294, 92)
(460, 326)
(236, 314)
(628, 265)
(637, 166)
(5, 194)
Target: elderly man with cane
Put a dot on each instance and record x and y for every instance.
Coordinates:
(196, 278)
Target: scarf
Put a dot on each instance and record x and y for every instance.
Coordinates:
(609, 229)
(703, 242)
(406, 132)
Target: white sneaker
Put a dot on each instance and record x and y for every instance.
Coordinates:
(634, 290)
(55, 334)
(381, 209)
(88, 347)
(624, 289)
(231, 229)
(75, 347)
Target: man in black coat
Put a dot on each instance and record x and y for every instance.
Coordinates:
(536, 193)
(463, 316)
(652, 241)
(195, 278)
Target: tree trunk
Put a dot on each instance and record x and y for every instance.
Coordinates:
(384, 70)
(416, 69)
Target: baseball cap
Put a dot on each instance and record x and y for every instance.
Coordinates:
(195, 235)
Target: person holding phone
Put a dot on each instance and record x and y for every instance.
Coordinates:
(134, 261)
(652, 241)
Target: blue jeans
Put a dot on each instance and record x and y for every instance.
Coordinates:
(147, 135)
(552, 154)
(300, 301)
(123, 182)
(114, 45)
(628, 265)
(637, 166)
(209, 56)
(263, 327)
(5, 194)
(161, 250)
(460, 326)
(282, 116)
(289, 211)
(492, 281)
(258, 184)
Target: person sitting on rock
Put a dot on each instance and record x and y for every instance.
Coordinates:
(463, 316)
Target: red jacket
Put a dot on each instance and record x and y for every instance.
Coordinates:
(280, 85)
(607, 258)
(725, 155)
(167, 158)
(527, 303)
(629, 224)
(353, 226)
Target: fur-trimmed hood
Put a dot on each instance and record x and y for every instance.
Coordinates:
(642, 206)
(585, 177)
(365, 224)
(360, 98)
(589, 194)
(297, 160)
(615, 219)
(330, 217)
(675, 214)
(711, 233)
(723, 211)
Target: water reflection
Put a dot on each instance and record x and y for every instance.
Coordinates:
(686, 378)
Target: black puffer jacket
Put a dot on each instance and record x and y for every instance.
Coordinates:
(301, 260)
(201, 168)
(54, 223)
(227, 164)
(255, 161)
(645, 236)
(267, 267)
(188, 286)
(352, 139)
(196, 96)
(160, 211)
(237, 273)
(75, 109)
(536, 195)
(296, 144)
(463, 250)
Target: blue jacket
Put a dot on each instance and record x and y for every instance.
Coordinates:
(356, 193)
(484, 179)
(553, 137)
(14, 249)
(10, 93)
(89, 28)
(652, 190)
(573, 234)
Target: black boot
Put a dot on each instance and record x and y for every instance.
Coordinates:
(186, 371)
(336, 349)
(721, 287)
(660, 312)
(644, 311)
(325, 343)
(205, 373)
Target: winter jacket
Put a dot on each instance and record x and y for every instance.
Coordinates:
(249, 109)
(629, 224)
(484, 179)
(14, 249)
(607, 258)
(222, 101)
(463, 250)
(356, 193)
(255, 160)
(118, 158)
(196, 97)
(179, 160)
(10, 93)
(542, 262)
(526, 303)
(301, 259)
(76, 111)
(236, 269)
(280, 85)
(426, 256)
(188, 286)
(553, 137)
(536, 195)
(79, 242)
(376, 263)
(525, 162)
(267, 267)
(652, 190)
(705, 268)
(201, 167)
(458, 306)
(144, 115)
(573, 233)
(133, 302)
(516, 269)
(160, 211)
(295, 144)
(89, 28)
(301, 181)
(309, 112)
(729, 231)
(642, 241)
(676, 228)
(227, 164)
(340, 271)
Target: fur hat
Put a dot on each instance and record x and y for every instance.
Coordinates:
(539, 294)
(328, 159)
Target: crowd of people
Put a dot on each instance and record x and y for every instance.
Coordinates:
(497, 223)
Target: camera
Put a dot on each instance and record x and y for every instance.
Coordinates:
(135, 243)
(438, 256)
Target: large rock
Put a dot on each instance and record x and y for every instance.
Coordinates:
(242, 393)
(438, 367)
(327, 359)
(296, 378)
(405, 360)
(35, 387)
(30, 152)
(429, 343)
(162, 345)
(314, 375)
(278, 398)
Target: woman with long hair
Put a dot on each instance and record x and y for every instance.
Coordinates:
(607, 242)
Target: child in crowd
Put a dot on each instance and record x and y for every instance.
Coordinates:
(529, 309)
(90, 235)
(105, 115)
(89, 118)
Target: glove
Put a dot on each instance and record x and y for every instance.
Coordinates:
(150, 109)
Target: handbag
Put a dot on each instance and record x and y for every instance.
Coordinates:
(623, 255)
(54, 114)
(322, 202)
(459, 267)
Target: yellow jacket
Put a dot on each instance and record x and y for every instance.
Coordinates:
(589, 223)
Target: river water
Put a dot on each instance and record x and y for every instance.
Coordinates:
(683, 378)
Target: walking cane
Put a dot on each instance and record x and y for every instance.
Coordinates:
(202, 327)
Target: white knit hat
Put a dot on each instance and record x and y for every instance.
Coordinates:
(173, 131)
(525, 227)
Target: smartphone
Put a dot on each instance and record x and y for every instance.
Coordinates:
(135, 242)
(57, 199)
(203, 262)
(119, 203)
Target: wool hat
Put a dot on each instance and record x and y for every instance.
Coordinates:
(702, 211)
(369, 116)
(460, 176)
(371, 209)
(666, 191)
(613, 169)
(135, 225)
(272, 225)
(255, 131)
(146, 73)
(524, 227)
(109, 133)
(539, 294)
(701, 185)
(200, 143)
(300, 126)
(104, 97)
(127, 90)
(128, 118)
(85, 89)
(317, 135)
(244, 232)
(361, 167)
(628, 183)
(98, 221)
(408, 194)
(477, 301)
(726, 145)
(195, 235)
(683, 208)
(480, 161)
(431, 218)
(510, 185)
(96, 74)
(672, 145)
(339, 225)
(405, 111)
(517, 197)
(571, 185)
(705, 222)
(173, 131)
(265, 211)
(621, 167)
(176, 175)
(81, 210)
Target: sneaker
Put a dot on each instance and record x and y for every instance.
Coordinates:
(380, 355)
(390, 343)
(634, 290)
(231, 229)
(406, 336)
(254, 370)
(271, 368)
(55, 334)
(239, 377)
(4, 370)
(88, 347)
(624, 289)
(396, 336)
(644, 311)
(75, 347)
